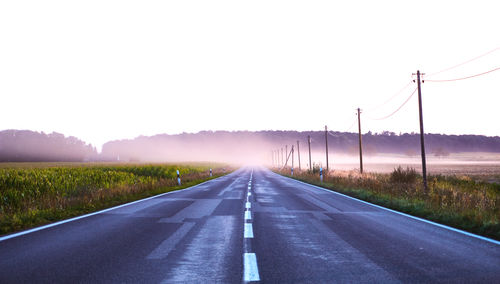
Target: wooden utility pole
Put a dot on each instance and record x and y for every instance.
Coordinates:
(309, 142)
(292, 155)
(326, 144)
(298, 153)
(422, 144)
(360, 143)
(286, 153)
(278, 158)
(282, 160)
(275, 158)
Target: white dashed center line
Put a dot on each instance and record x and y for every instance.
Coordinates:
(248, 232)
(250, 268)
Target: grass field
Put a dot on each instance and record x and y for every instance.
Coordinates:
(458, 198)
(480, 171)
(33, 194)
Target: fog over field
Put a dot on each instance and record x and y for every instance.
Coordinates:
(381, 151)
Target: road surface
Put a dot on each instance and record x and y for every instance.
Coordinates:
(251, 225)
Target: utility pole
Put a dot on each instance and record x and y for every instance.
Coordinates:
(278, 153)
(292, 155)
(277, 157)
(282, 160)
(360, 143)
(422, 145)
(272, 158)
(326, 143)
(298, 153)
(286, 153)
(309, 142)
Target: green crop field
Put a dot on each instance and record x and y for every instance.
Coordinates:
(32, 194)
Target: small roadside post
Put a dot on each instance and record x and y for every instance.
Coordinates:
(178, 178)
(210, 172)
(321, 174)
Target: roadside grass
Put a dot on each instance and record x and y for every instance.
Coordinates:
(33, 196)
(456, 201)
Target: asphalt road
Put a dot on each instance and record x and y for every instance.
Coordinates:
(251, 225)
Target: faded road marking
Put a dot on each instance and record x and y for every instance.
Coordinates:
(169, 244)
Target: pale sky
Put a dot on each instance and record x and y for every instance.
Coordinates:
(103, 70)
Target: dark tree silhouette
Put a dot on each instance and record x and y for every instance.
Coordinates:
(30, 146)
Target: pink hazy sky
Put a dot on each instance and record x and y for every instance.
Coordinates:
(102, 70)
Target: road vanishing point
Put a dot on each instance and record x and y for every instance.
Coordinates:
(249, 226)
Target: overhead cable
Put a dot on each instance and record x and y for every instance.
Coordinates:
(389, 99)
(463, 78)
(387, 116)
(463, 63)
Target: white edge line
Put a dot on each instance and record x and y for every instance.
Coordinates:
(95, 213)
(401, 213)
(250, 268)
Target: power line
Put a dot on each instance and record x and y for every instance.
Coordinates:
(394, 112)
(354, 122)
(389, 99)
(463, 63)
(349, 128)
(331, 133)
(463, 78)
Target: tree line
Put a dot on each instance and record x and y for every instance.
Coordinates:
(226, 146)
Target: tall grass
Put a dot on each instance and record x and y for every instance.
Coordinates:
(33, 196)
(458, 201)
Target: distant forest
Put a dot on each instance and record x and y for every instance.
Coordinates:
(30, 146)
(226, 146)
